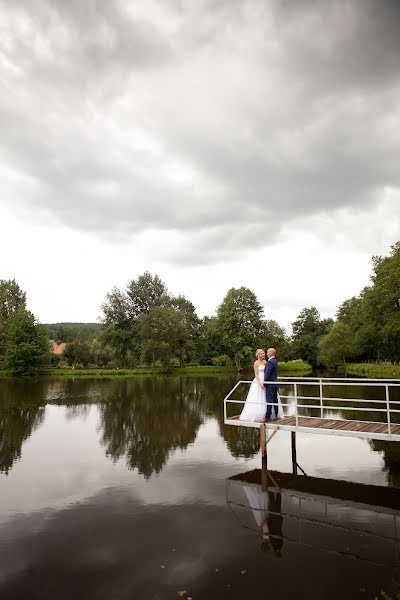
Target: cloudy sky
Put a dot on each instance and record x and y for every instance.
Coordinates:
(217, 143)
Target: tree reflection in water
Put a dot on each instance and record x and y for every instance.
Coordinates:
(20, 414)
(145, 419)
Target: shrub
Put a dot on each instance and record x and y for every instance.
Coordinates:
(222, 360)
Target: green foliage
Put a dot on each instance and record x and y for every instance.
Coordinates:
(144, 293)
(208, 344)
(274, 336)
(78, 351)
(239, 324)
(381, 370)
(12, 298)
(308, 329)
(337, 345)
(159, 332)
(66, 332)
(26, 346)
(145, 324)
(223, 360)
(188, 327)
(374, 316)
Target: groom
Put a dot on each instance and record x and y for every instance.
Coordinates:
(271, 389)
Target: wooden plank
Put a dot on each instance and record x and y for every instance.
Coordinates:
(272, 435)
(331, 424)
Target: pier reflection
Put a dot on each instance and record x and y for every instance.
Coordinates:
(348, 520)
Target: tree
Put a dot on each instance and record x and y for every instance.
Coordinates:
(144, 293)
(188, 326)
(78, 351)
(27, 347)
(119, 330)
(337, 345)
(239, 323)
(307, 331)
(374, 316)
(122, 310)
(274, 336)
(12, 298)
(385, 301)
(158, 331)
(207, 343)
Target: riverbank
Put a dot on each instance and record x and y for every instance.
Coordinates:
(295, 367)
(378, 370)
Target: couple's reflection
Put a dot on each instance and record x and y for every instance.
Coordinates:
(289, 512)
(256, 501)
(266, 509)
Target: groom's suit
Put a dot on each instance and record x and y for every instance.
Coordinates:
(271, 389)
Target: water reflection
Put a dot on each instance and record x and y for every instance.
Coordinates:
(391, 459)
(144, 420)
(74, 524)
(346, 519)
(20, 414)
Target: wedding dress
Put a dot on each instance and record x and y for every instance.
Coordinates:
(255, 406)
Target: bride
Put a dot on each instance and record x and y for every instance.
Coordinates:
(256, 406)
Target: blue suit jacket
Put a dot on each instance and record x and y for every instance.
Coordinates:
(271, 370)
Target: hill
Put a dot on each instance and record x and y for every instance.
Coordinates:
(66, 332)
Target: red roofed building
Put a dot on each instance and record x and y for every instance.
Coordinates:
(58, 348)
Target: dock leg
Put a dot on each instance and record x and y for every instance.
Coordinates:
(264, 474)
(263, 444)
(294, 453)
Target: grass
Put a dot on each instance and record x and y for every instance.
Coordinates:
(285, 368)
(295, 366)
(379, 370)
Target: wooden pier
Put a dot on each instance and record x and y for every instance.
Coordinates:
(380, 418)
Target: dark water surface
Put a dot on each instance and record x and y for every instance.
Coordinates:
(134, 488)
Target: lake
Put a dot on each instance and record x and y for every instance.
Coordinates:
(135, 488)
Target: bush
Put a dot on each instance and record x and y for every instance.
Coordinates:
(222, 360)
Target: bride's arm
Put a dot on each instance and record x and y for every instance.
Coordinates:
(256, 374)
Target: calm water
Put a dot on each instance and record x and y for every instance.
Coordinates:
(123, 489)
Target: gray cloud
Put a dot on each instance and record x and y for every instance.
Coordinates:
(208, 119)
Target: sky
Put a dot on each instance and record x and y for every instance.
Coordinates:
(216, 143)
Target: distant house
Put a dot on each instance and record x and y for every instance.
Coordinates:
(57, 348)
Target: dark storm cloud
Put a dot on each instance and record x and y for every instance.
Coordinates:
(208, 119)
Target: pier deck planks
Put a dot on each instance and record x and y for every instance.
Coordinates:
(338, 424)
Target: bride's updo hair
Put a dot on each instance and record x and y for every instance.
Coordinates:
(258, 351)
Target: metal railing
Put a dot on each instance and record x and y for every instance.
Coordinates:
(295, 398)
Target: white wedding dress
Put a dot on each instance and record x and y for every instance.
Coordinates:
(255, 406)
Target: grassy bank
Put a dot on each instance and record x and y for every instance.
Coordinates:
(295, 367)
(379, 370)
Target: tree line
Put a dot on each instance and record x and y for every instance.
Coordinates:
(145, 324)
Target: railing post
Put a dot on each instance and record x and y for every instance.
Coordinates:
(295, 404)
(388, 407)
(320, 399)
